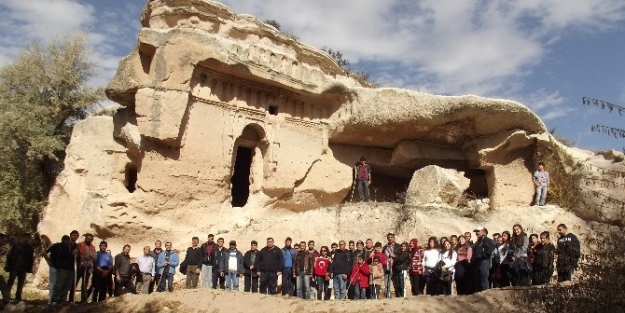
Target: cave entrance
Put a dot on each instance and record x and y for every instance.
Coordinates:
(131, 176)
(478, 187)
(247, 164)
(241, 176)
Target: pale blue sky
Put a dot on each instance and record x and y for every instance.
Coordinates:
(546, 54)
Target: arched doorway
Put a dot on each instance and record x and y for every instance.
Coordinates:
(246, 148)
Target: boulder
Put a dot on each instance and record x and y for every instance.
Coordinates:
(433, 184)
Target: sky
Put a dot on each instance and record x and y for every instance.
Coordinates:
(546, 54)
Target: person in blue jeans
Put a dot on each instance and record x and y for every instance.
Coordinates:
(166, 263)
(232, 265)
(302, 271)
(541, 181)
(341, 267)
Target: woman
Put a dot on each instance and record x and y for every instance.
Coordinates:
(505, 259)
(463, 266)
(400, 266)
(495, 267)
(449, 257)
(531, 252)
(417, 281)
(442, 241)
(431, 255)
(519, 268)
(543, 268)
(322, 279)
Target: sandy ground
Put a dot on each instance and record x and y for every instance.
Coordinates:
(213, 301)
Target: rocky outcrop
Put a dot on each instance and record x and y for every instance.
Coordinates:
(222, 111)
(436, 185)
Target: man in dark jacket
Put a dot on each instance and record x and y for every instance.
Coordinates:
(482, 252)
(193, 261)
(391, 250)
(269, 262)
(302, 271)
(20, 261)
(568, 252)
(206, 275)
(4, 240)
(155, 253)
(65, 261)
(250, 283)
(340, 268)
(123, 275)
(218, 254)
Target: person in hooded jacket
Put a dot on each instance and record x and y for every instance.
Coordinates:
(400, 266)
(20, 261)
(568, 252)
(359, 278)
(417, 280)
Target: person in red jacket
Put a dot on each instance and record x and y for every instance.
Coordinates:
(360, 278)
(417, 280)
(322, 279)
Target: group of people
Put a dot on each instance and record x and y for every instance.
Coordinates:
(353, 269)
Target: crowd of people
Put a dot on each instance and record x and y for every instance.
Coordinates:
(343, 270)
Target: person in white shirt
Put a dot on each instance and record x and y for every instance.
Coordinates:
(449, 257)
(431, 256)
(146, 266)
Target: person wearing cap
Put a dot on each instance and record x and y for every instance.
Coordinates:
(480, 259)
(362, 176)
(232, 266)
(193, 261)
(206, 274)
(87, 253)
(103, 264)
(250, 282)
(288, 288)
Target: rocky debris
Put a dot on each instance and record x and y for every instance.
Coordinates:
(433, 184)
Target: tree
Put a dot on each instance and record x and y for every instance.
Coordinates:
(43, 93)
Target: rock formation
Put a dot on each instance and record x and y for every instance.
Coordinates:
(221, 111)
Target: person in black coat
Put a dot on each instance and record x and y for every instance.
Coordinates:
(20, 260)
(339, 270)
(250, 282)
(400, 266)
(269, 262)
(482, 252)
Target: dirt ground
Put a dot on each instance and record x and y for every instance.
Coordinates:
(216, 301)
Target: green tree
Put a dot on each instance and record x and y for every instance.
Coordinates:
(43, 93)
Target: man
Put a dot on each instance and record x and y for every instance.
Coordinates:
(154, 254)
(370, 250)
(269, 263)
(541, 181)
(20, 260)
(123, 276)
(391, 250)
(193, 260)
(314, 254)
(287, 272)
(232, 266)
(206, 274)
(147, 267)
(86, 251)
(4, 240)
(103, 265)
(480, 260)
(250, 283)
(73, 237)
(303, 270)
(65, 263)
(568, 253)
(50, 255)
(166, 263)
(339, 270)
(363, 179)
(218, 254)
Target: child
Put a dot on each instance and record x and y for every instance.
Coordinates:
(376, 278)
(360, 278)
